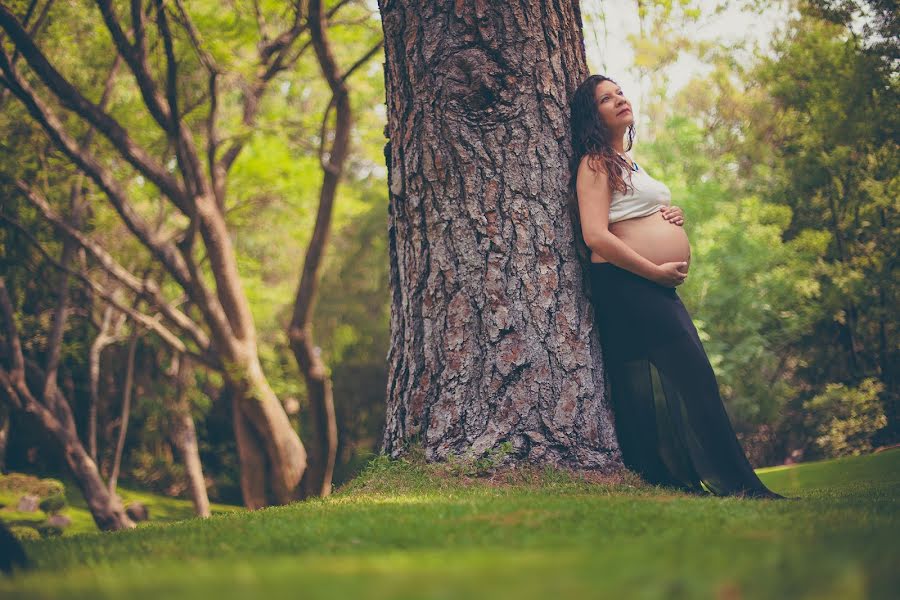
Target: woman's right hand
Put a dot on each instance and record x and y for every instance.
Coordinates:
(671, 274)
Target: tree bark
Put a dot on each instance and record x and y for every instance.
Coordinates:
(492, 335)
(272, 456)
(184, 436)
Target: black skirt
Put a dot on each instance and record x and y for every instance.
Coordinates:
(670, 421)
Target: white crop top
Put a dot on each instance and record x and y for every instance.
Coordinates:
(647, 197)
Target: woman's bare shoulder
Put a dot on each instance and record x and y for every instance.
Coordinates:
(592, 170)
(592, 165)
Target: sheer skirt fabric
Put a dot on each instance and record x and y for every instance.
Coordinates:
(671, 424)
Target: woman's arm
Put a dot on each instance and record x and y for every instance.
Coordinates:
(593, 206)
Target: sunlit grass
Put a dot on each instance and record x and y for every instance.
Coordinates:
(407, 530)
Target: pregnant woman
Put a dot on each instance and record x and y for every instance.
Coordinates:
(670, 421)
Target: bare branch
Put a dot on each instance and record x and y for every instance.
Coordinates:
(165, 253)
(185, 151)
(146, 288)
(207, 60)
(151, 323)
(74, 100)
(196, 40)
(363, 60)
(269, 67)
(340, 98)
(136, 57)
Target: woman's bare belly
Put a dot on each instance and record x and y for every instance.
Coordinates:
(652, 237)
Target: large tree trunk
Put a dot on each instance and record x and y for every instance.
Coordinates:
(272, 456)
(492, 335)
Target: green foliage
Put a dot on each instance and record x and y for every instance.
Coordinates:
(53, 504)
(20, 483)
(787, 172)
(47, 530)
(846, 418)
(22, 533)
(476, 465)
(271, 202)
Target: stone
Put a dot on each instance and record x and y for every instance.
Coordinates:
(28, 503)
(61, 521)
(137, 511)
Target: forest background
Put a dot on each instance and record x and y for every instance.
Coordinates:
(784, 161)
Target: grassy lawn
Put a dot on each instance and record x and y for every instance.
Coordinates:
(160, 508)
(404, 530)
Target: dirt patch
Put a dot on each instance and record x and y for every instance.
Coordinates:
(525, 516)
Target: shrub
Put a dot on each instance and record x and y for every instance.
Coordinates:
(22, 533)
(53, 504)
(47, 530)
(845, 419)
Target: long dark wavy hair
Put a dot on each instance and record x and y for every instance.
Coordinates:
(592, 138)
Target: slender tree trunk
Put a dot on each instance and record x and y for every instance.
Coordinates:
(105, 337)
(323, 448)
(4, 435)
(492, 335)
(126, 410)
(55, 416)
(106, 507)
(887, 353)
(184, 435)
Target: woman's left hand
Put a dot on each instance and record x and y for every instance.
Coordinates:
(673, 214)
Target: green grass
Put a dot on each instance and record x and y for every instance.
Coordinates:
(404, 530)
(161, 508)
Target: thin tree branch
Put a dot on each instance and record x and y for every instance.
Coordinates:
(151, 323)
(75, 101)
(363, 60)
(165, 253)
(185, 151)
(136, 57)
(269, 67)
(146, 288)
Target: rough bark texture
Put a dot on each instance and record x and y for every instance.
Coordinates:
(492, 334)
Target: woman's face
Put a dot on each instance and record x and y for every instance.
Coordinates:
(614, 108)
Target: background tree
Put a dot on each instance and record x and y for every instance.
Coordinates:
(249, 115)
